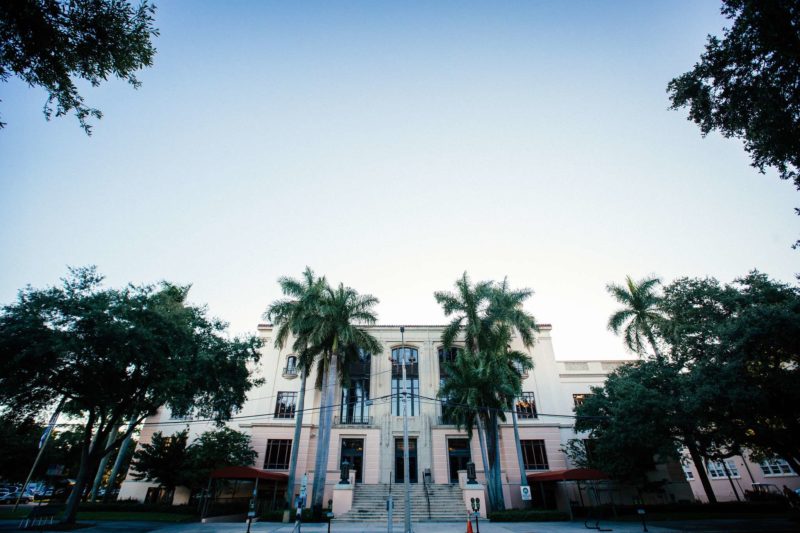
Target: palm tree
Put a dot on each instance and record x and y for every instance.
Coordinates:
(468, 304)
(462, 392)
(334, 333)
(640, 313)
(487, 314)
(294, 315)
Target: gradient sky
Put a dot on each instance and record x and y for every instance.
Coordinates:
(392, 146)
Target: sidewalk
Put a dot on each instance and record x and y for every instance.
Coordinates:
(705, 526)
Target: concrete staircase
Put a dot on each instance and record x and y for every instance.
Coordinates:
(369, 504)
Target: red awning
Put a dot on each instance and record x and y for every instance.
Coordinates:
(573, 474)
(247, 472)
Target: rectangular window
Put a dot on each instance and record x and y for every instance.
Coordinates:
(578, 399)
(717, 471)
(687, 471)
(534, 455)
(776, 467)
(526, 406)
(278, 452)
(284, 405)
(355, 402)
(412, 385)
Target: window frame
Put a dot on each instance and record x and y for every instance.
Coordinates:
(277, 447)
(284, 411)
(776, 463)
(529, 449)
(529, 412)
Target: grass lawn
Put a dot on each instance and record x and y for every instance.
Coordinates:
(129, 516)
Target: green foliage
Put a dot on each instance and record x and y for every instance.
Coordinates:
(747, 84)
(20, 442)
(637, 415)
(484, 380)
(171, 462)
(163, 459)
(118, 354)
(217, 449)
(726, 378)
(51, 43)
(639, 315)
(63, 449)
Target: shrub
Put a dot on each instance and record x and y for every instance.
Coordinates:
(527, 515)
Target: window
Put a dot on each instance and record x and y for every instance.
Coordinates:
(412, 385)
(355, 408)
(447, 355)
(284, 406)
(776, 467)
(687, 471)
(412, 355)
(578, 399)
(412, 381)
(716, 470)
(278, 451)
(526, 406)
(534, 455)
(291, 367)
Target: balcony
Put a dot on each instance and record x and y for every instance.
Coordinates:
(352, 420)
(290, 372)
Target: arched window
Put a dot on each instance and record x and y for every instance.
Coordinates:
(411, 383)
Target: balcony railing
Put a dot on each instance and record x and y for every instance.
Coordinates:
(354, 420)
(290, 371)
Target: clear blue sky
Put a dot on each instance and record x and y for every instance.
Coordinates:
(393, 146)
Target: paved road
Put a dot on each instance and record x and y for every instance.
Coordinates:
(705, 526)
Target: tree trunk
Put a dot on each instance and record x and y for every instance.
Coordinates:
(652, 340)
(298, 426)
(485, 459)
(98, 478)
(701, 470)
(493, 445)
(123, 449)
(324, 438)
(523, 478)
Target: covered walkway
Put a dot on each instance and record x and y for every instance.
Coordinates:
(231, 488)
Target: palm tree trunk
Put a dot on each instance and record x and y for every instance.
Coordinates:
(651, 338)
(523, 478)
(298, 426)
(701, 470)
(485, 459)
(324, 438)
(493, 438)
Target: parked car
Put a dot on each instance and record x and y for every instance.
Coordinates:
(11, 497)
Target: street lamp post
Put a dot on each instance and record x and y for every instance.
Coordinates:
(406, 483)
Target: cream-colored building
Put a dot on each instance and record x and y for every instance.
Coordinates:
(368, 426)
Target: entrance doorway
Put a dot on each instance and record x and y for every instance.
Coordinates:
(457, 456)
(398, 460)
(353, 452)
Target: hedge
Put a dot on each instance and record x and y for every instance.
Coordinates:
(527, 515)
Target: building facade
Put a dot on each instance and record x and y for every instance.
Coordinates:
(368, 424)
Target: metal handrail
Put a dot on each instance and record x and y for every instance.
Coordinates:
(290, 371)
(427, 496)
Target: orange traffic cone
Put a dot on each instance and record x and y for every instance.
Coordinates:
(469, 525)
